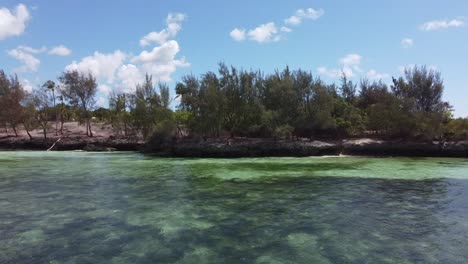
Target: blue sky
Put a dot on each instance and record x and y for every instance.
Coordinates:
(121, 40)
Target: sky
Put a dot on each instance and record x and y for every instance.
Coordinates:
(119, 41)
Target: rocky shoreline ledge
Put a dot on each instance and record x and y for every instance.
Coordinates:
(70, 143)
(237, 148)
(243, 147)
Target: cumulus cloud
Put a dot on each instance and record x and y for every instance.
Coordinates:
(26, 56)
(407, 43)
(349, 65)
(374, 75)
(60, 50)
(29, 62)
(285, 29)
(264, 33)
(129, 75)
(351, 60)
(442, 24)
(302, 14)
(332, 73)
(269, 32)
(13, 23)
(105, 89)
(161, 61)
(120, 72)
(238, 34)
(102, 66)
(27, 86)
(174, 25)
(31, 50)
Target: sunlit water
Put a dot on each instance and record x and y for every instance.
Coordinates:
(71, 207)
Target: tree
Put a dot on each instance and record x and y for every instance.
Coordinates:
(12, 95)
(80, 90)
(424, 87)
(29, 115)
(209, 119)
(43, 102)
(50, 85)
(420, 93)
(120, 117)
(182, 120)
(371, 93)
(145, 100)
(348, 89)
(321, 108)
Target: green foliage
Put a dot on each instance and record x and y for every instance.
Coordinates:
(102, 114)
(283, 131)
(236, 102)
(457, 129)
(80, 90)
(119, 116)
(12, 95)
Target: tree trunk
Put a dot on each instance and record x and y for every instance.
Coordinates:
(44, 129)
(27, 131)
(89, 127)
(61, 124)
(14, 130)
(56, 113)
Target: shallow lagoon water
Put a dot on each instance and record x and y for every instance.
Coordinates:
(72, 207)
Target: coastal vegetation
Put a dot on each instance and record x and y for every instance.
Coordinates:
(240, 103)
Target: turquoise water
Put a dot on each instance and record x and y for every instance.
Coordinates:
(72, 207)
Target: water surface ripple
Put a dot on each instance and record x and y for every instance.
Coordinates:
(72, 207)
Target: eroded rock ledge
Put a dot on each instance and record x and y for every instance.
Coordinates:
(69, 143)
(247, 147)
(235, 148)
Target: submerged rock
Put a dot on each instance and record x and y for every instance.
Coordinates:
(405, 148)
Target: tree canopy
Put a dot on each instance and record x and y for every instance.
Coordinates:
(234, 102)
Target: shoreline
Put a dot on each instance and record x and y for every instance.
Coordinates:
(249, 147)
(69, 143)
(240, 148)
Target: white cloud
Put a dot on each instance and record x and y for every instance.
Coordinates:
(13, 23)
(374, 75)
(105, 89)
(174, 24)
(102, 102)
(269, 32)
(161, 61)
(120, 72)
(130, 76)
(442, 24)
(30, 63)
(25, 55)
(31, 50)
(264, 33)
(102, 66)
(350, 65)
(352, 59)
(332, 73)
(407, 43)
(60, 50)
(27, 86)
(238, 34)
(302, 14)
